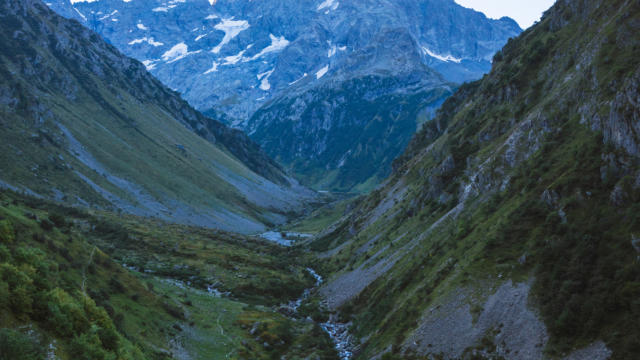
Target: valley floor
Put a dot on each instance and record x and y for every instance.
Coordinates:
(78, 284)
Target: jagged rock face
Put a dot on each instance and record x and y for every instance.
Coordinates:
(237, 54)
(529, 174)
(84, 124)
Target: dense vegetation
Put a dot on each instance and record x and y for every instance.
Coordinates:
(348, 135)
(61, 293)
(530, 175)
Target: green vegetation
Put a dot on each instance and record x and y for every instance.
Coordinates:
(249, 268)
(87, 126)
(323, 217)
(519, 182)
(367, 132)
(60, 292)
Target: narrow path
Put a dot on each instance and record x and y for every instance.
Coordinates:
(229, 340)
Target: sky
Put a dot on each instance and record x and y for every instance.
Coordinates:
(525, 12)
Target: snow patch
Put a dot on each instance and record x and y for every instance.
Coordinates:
(234, 59)
(445, 58)
(328, 5)
(108, 15)
(149, 41)
(149, 64)
(277, 44)
(322, 72)
(81, 14)
(177, 52)
(163, 8)
(231, 29)
(214, 68)
(81, 1)
(264, 77)
(142, 27)
(294, 82)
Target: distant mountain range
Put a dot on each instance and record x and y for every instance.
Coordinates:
(316, 83)
(235, 55)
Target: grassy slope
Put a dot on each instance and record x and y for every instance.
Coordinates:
(58, 287)
(322, 218)
(577, 247)
(132, 126)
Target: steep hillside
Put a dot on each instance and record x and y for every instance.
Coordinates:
(509, 226)
(235, 55)
(83, 124)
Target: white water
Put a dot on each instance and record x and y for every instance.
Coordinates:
(337, 331)
(288, 240)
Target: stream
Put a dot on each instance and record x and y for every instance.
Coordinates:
(337, 331)
(284, 239)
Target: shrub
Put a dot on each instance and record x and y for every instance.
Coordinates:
(16, 345)
(21, 300)
(87, 347)
(5, 255)
(58, 220)
(4, 294)
(46, 224)
(7, 235)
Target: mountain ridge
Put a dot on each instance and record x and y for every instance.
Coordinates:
(92, 127)
(234, 34)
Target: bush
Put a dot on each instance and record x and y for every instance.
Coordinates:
(58, 220)
(87, 347)
(16, 345)
(7, 235)
(4, 294)
(21, 300)
(47, 225)
(5, 255)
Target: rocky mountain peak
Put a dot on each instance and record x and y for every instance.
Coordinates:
(236, 55)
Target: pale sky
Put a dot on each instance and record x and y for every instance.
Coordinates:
(525, 12)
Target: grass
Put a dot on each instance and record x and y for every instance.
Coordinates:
(322, 218)
(146, 141)
(62, 275)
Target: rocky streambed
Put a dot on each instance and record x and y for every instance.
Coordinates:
(337, 331)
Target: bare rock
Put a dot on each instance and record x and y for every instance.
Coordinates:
(635, 242)
(450, 329)
(595, 351)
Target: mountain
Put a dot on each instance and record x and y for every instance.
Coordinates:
(316, 83)
(509, 227)
(83, 124)
(235, 55)
(343, 133)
